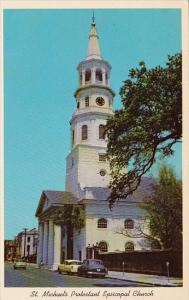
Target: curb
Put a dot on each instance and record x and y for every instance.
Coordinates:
(129, 280)
(150, 284)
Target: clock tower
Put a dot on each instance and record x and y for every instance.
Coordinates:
(86, 164)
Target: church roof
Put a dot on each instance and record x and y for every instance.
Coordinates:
(58, 197)
(143, 192)
(51, 199)
(54, 198)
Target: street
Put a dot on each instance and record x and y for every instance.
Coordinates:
(33, 277)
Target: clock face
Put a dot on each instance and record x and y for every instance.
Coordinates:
(100, 101)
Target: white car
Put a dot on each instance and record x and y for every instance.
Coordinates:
(19, 264)
(69, 266)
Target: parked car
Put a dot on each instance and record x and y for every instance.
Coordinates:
(92, 267)
(69, 266)
(20, 264)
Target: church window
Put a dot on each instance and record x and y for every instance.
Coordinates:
(87, 101)
(102, 172)
(129, 247)
(78, 104)
(106, 76)
(72, 162)
(84, 132)
(103, 247)
(98, 75)
(102, 157)
(87, 75)
(28, 239)
(102, 223)
(129, 224)
(80, 78)
(101, 132)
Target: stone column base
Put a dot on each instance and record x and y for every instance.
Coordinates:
(54, 267)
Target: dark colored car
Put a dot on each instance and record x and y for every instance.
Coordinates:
(92, 267)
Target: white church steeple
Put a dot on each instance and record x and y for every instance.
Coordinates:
(86, 163)
(93, 44)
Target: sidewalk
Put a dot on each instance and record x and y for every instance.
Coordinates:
(155, 280)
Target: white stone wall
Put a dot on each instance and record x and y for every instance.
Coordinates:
(115, 241)
(71, 180)
(79, 243)
(91, 234)
(92, 123)
(30, 243)
(85, 169)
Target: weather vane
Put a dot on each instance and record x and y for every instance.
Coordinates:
(93, 17)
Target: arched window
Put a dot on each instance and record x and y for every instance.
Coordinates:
(87, 75)
(101, 132)
(72, 162)
(98, 75)
(84, 132)
(129, 246)
(106, 76)
(129, 224)
(103, 246)
(80, 78)
(102, 223)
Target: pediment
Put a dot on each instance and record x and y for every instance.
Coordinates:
(43, 205)
(54, 199)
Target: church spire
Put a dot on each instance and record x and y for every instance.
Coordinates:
(93, 45)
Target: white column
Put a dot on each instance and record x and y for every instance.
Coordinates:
(45, 243)
(83, 77)
(93, 75)
(50, 244)
(104, 77)
(40, 244)
(57, 246)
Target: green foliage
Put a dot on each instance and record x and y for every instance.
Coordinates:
(165, 210)
(147, 127)
(71, 215)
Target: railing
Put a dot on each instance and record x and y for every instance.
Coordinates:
(149, 262)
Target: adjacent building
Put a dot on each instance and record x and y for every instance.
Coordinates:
(26, 243)
(9, 250)
(88, 176)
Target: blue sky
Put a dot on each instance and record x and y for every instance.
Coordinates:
(41, 51)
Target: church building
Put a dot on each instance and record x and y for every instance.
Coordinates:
(87, 176)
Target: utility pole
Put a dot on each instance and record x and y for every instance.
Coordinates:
(25, 242)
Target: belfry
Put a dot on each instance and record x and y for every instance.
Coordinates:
(88, 176)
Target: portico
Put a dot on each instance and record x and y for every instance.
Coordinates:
(51, 241)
